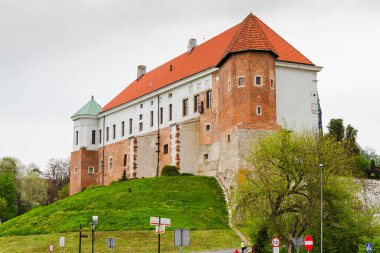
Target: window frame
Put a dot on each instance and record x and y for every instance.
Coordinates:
(208, 99)
(93, 170)
(196, 103)
(75, 170)
(261, 80)
(185, 107)
(122, 129)
(259, 110)
(170, 112)
(110, 163)
(166, 149)
(238, 82)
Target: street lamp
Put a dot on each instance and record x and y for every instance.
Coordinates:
(93, 224)
(321, 168)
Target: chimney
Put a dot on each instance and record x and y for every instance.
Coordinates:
(192, 44)
(141, 69)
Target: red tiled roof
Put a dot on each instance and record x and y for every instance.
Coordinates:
(251, 34)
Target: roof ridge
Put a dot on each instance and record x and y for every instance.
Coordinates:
(267, 39)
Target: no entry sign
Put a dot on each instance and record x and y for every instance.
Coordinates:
(309, 242)
(275, 242)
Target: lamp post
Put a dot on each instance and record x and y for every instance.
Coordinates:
(321, 169)
(93, 224)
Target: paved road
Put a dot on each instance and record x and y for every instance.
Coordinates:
(223, 251)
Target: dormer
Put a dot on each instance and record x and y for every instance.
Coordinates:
(86, 133)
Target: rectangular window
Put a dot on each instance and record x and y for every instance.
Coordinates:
(107, 133)
(272, 83)
(75, 170)
(140, 117)
(110, 160)
(91, 170)
(185, 107)
(258, 80)
(125, 160)
(140, 126)
(169, 95)
(170, 112)
(166, 149)
(122, 128)
(76, 137)
(258, 110)
(100, 136)
(114, 131)
(141, 105)
(205, 157)
(130, 126)
(101, 166)
(151, 118)
(196, 103)
(229, 86)
(161, 115)
(208, 99)
(93, 134)
(208, 127)
(241, 81)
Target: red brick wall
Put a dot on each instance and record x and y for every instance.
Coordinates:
(81, 160)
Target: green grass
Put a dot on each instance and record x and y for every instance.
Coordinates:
(126, 241)
(195, 202)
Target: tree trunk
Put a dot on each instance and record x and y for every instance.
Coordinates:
(290, 246)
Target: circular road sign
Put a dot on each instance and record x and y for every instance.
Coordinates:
(275, 242)
(308, 242)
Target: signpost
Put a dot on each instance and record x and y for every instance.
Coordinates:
(111, 243)
(297, 241)
(181, 238)
(159, 223)
(368, 247)
(309, 243)
(275, 242)
(51, 247)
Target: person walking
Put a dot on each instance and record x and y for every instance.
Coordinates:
(243, 246)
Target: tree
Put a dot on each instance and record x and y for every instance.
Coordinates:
(124, 176)
(58, 175)
(336, 129)
(281, 189)
(8, 196)
(33, 190)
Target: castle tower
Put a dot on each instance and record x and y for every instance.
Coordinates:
(86, 137)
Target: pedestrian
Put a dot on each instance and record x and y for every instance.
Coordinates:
(243, 246)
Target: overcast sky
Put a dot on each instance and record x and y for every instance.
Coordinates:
(55, 54)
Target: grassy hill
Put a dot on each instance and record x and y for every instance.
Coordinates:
(191, 202)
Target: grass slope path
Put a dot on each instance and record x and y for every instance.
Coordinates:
(192, 202)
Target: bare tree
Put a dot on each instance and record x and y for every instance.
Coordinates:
(58, 176)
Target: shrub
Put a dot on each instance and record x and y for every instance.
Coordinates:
(187, 174)
(170, 170)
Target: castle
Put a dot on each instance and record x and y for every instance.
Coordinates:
(200, 111)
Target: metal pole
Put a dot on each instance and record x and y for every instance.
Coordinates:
(180, 247)
(92, 237)
(80, 238)
(321, 167)
(159, 242)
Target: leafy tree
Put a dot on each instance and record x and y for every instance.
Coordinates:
(282, 190)
(336, 129)
(8, 196)
(170, 170)
(33, 190)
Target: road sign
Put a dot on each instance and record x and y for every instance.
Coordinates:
(181, 237)
(160, 230)
(368, 247)
(275, 242)
(155, 221)
(309, 242)
(297, 241)
(111, 243)
(61, 241)
(51, 247)
(276, 249)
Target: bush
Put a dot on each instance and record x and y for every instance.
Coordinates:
(170, 170)
(187, 174)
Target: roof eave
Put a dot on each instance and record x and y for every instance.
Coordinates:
(225, 57)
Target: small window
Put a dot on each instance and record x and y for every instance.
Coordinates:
(75, 171)
(169, 95)
(110, 161)
(229, 138)
(90, 170)
(100, 136)
(140, 116)
(101, 166)
(196, 103)
(161, 115)
(114, 132)
(93, 134)
(208, 127)
(166, 148)
(122, 128)
(76, 137)
(258, 110)
(258, 80)
(271, 83)
(229, 86)
(141, 105)
(170, 112)
(185, 107)
(151, 118)
(151, 102)
(125, 160)
(205, 157)
(217, 78)
(140, 126)
(107, 133)
(130, 126)
(208, 99)
(241, 81)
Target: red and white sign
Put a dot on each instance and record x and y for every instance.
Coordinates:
(160, 230)
(155, 221)
(275, 242)
(308, 242)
